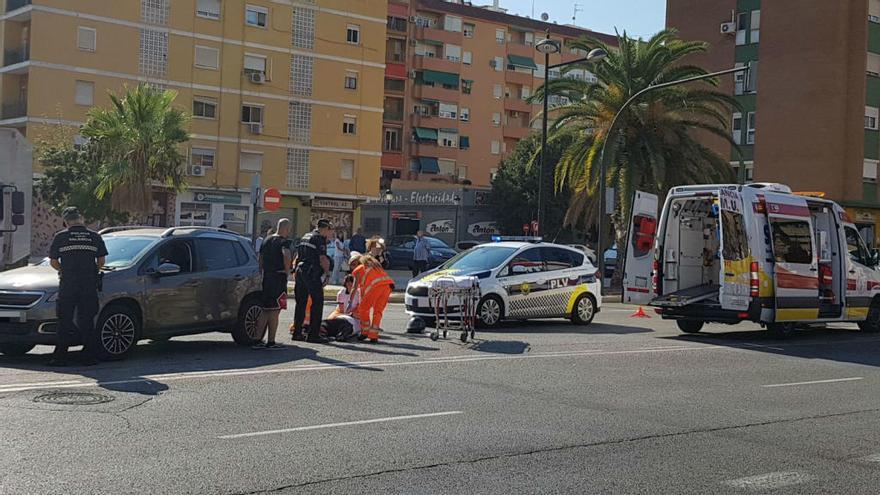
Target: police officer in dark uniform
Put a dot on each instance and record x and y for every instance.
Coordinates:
(312, 267)
(77, 253)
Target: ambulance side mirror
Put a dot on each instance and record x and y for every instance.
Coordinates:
(875, 257)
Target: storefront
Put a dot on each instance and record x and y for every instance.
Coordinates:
(214, 208)
(340, 212)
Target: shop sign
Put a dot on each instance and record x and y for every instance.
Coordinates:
(441, 227)
(406, 215)
(332, 204)
(217, 197)
(483, 228)
(425, 197)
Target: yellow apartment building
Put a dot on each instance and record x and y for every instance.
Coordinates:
(291, 90)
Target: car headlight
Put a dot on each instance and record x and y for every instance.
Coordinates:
(53, 297)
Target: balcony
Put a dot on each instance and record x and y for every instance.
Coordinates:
(431, 149)
(516, 131)
(433, 121)
(392, 160)
(15, 56)
(426, 33)
(14, 110)
(516, 77)
(521, 49)
(436, 93)
(16, 4)
(435, 63)
(515, 104)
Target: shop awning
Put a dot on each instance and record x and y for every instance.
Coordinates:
(464, 142)
(437, 77)
(429, 165)
(519, 61)
(426, 133)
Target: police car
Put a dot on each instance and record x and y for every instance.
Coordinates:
(519, 278)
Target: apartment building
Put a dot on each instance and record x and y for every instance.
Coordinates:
(290, 90)
(810, 108)
(457, 78)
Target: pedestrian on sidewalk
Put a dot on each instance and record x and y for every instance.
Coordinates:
(375, 288)
(340, 257)
(312, 268)
(275, 263)
(376, 249)
(259, 243)
(421, 254)
(358, 242)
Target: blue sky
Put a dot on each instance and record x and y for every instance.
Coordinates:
(637, 17)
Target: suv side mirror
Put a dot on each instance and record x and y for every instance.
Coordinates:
(166, 269)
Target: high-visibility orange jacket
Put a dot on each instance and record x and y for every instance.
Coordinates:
(370, 278)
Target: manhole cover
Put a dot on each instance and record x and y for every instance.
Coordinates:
(73, 398)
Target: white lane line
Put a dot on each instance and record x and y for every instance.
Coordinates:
(335, 425)
(770, 481)
(870, 458)
(814, 382)
(21, 387)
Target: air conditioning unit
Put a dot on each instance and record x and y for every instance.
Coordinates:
(514, 115)
(413, 42)
(255, 128)
(728, 28)
(412, 18)
(257, 77)
(197, 171)
(492, 63)
(412, 74)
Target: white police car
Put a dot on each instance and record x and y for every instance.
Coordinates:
(519, 279)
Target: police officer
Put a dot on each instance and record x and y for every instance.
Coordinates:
(312, 268)
(77, 253)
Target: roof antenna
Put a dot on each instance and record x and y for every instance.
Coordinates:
(577, 8)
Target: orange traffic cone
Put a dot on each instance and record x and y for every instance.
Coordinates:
(640, 313)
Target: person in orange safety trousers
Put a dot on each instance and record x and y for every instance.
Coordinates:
(375, 288)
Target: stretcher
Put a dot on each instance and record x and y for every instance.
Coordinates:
(455, 301)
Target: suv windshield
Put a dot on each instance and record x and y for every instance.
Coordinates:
(124, 250)
(480, 258)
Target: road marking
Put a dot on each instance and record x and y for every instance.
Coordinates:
(835, 380)
(21, 387)
(760, 346)
(770, 481)
(870, 458)
(335, 425)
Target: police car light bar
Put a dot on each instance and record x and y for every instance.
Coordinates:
(514, 238)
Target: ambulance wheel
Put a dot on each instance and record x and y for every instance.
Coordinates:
(872, 322)
(584, 310)
(15, 349)
(490, 311)
(689, 326)
(781, 329)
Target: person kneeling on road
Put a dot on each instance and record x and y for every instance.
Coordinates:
(312, 268)
(375, 287)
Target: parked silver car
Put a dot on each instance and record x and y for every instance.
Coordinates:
(157, 284)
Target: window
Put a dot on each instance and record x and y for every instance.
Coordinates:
(202, 157)
(236, 219)
(525, 92)
(349, 124)
(873, 66)
(448, 139)
(392, 139)
(500, 36)
(452, 53)
(205, 108)
(539, 72)
(393, 108)
(301, 67)
(153, 56)
(496, 147)
(395, 50)
(467, 58)
(353, 34)
(351, 79)
(869, 170)
(299, 122)
(447, 167)
(497, 91)
(561, 259)
(467, 86)
(752, 77)
(742, 24)
(739, 80)
(251, 114)
(254, 63)
(425, 22)
(303, 28)
(452, 23)
(155, 11)
(792, 241)
(208, 8)
(462, 172)
(464, 142)
(754, 34)
(216, 254)
(398, 85)
(526, 262)
(498, 63)
(496, 118)
(737, 128)
(298, 168)
(250, 161)
(856, 246)
(750, 128)
(468, 30)
(465, 114)
(86, 38)
(346, 171)
(256, 16)
(871, 115)
(448, 111)
(85, 93)
(207, 57)
(194, 215)
(396, 24)
(179, 252)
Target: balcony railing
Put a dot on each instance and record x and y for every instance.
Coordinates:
(14, 110)
(15, 56)
(16, 4)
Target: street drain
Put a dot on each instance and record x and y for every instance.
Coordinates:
(73, 398)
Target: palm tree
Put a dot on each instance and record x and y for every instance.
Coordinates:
(137, 142)
(654, 146)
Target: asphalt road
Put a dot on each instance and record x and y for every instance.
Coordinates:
(622, 406)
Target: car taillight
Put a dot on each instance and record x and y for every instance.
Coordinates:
(754, 288)
(655, 279)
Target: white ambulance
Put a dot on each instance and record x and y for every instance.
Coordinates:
(755, 252)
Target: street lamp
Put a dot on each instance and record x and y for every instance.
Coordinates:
(389, 198)
(548, 47)
(457, 200)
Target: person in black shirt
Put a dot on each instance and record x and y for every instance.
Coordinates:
(312, 267)
(77, 253)
(275, 262)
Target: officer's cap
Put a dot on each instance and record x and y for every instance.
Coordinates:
(70, 213)
(323, 223)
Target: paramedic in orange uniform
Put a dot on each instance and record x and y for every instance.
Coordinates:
(375, 286)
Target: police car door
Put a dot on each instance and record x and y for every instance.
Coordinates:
(735, 260)
(522, 279)
(796, 275)
(640, 250)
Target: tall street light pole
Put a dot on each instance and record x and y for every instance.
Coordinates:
(603, 165)
(389, 198)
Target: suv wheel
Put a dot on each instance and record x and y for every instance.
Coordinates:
(245, 331)
(117, 331)
(15, 349)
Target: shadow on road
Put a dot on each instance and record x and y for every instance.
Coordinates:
(563, 327)
(501, 346)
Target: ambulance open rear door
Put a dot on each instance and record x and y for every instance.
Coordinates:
(738, 272)
(639, 264)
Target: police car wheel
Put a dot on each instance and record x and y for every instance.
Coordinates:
(15, 349)
(245, 331)
(118, 330)
(490, 311)
(584, 310)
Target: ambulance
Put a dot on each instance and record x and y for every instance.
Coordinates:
(755, 252)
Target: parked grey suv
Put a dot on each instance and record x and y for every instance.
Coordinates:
(157, 284)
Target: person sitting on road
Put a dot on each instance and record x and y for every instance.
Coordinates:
(375, 286)
(340, 323)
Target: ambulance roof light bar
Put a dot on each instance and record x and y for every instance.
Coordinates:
(515, 238)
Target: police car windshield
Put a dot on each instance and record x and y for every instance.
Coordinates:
(480, 258)
(124, 250)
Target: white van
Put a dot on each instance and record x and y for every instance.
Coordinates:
(755, 252)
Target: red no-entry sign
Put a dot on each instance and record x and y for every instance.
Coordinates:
(272, 199)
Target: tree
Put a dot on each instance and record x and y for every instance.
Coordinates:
(653, 147)
(514, 197)
(137, 144)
